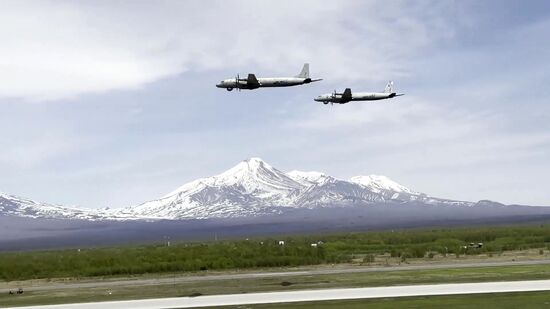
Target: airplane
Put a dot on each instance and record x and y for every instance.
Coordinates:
(252, 82)
(347, 95)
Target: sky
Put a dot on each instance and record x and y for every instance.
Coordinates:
(113, 103)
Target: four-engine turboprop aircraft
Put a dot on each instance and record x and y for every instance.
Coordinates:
(252, 82)
(347, 95)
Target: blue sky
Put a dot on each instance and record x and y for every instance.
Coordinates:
(112, 103)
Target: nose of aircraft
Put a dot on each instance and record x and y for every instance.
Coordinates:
(219, 85)
(319, 99)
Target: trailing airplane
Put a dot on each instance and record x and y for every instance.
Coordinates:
(347, 95)
(252, 82)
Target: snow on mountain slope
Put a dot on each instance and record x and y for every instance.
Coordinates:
(16, 206)
(250, 176)
(377, 184)
(255, 188)
(251, 188)
(307, 178)
(333, 192)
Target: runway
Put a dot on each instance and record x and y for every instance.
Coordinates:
(316, 295)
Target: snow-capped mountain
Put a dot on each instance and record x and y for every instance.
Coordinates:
(17, 206)
(307, 178)
(255, 188)
(379, 184)
(250, 189)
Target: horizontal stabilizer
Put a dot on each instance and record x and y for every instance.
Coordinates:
(393, 95)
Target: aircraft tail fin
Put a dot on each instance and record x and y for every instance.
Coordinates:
(305, 71)
(389, 87)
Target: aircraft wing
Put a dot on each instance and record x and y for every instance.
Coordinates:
(252, 81)
(346, 96)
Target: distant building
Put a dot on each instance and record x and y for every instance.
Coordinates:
(281, 242)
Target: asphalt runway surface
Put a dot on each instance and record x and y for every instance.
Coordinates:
(316, 295)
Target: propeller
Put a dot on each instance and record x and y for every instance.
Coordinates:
(334, 96)
(238, 81)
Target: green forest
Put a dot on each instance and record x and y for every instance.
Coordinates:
(267, 252)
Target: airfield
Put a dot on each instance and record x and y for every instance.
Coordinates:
(320, 295)
(512, 273)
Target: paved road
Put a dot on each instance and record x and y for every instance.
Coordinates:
(44, 286)
(316, 295)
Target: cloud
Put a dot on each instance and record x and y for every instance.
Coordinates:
(54, 50)
(34, 151)
(59, 49)
(417, 134)
(475, 103)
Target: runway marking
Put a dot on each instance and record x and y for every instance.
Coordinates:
(316, 295)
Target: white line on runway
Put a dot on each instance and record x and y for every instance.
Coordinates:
(315, 295)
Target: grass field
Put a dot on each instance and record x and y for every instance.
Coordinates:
(99, 293)
(486, 301)
(389, 248)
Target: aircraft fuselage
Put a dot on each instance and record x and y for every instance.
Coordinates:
(348, 95)
(356, 96)
(252, 82)
(232, 83)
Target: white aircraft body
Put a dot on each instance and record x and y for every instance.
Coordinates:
(348, 96)
(252, 82)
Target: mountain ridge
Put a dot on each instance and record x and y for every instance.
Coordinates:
(252, 188)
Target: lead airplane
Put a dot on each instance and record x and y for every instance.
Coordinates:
(252, 82)
(348, 96)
